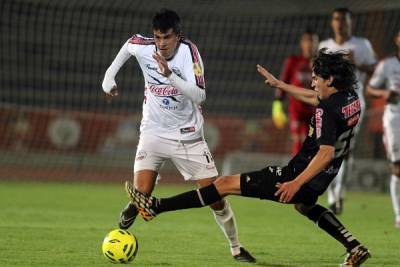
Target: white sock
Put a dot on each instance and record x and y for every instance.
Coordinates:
(336, 188)
(331, 192)
(342, 176)
(226, 221)
(395, 194)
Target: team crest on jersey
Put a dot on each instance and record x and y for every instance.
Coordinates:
(141, 155)
(197, 69)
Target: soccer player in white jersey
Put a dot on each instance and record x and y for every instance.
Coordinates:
(363, 56)
(385, 83)
(172, 123)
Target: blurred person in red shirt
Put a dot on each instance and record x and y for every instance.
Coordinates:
(296, 71)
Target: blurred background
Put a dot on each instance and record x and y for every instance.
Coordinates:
(56, 125)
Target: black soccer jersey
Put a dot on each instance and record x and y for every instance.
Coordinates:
(333, 124)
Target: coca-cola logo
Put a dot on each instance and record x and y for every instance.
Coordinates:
(163, 91)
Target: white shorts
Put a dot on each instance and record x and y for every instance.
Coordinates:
(192, 158)
(391, 139)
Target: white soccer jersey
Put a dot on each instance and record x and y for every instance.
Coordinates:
(387, 76)
(171, 106)
(363, 55)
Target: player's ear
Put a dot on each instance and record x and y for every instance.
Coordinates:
(330, 81)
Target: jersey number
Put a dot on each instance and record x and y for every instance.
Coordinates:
(342, 145)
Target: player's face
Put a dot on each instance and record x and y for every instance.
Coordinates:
(341, 23)
(320, 86)
(166, 42)
(308, 44)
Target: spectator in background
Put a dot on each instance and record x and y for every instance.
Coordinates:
(362, 55)
(296, 71)
(385, 83)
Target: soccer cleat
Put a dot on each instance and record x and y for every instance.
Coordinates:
(244, 256)
(127, 216)
(144, 203)
(356, 258)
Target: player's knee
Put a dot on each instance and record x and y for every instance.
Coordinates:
(219, 205)
(144, 181)
(313, 212)
(302, 208)
(223, 184)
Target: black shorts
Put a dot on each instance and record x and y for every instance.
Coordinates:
(262, 184)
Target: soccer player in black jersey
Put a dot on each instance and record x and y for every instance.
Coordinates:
(309, 173)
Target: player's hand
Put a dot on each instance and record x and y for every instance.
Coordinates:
(287, 190)
(162, 65)
(269, 78)
(111, 94)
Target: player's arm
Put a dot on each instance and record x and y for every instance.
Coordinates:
(305, 95)
(378, 92)
(109, 85)
(320, 161)
(389, 95)
(187, 88)
(376, 87)
(369, 63)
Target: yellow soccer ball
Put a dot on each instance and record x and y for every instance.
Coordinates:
(120, 246)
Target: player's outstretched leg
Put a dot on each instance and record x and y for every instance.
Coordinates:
(326, 220)
(149, 207)
(127, 216)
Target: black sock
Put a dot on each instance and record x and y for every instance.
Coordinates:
(327, 221)
(191, 199)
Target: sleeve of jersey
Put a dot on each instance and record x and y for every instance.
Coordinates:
(378, 78)
(322, 45)
(325, 126)
(193, 87)
(369, 53)
(109, 77)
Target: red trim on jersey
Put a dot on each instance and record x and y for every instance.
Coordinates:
(140, 40)
(196, 61)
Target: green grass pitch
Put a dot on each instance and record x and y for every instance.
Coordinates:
(59, 224)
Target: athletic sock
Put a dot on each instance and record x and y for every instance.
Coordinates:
(191, 199)
(395, 194)
(335, 188)
(327, 221)
(226, 221)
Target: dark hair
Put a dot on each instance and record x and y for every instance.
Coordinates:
(338, 66)
(308, 31)
(343, 10)
(166, 19)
